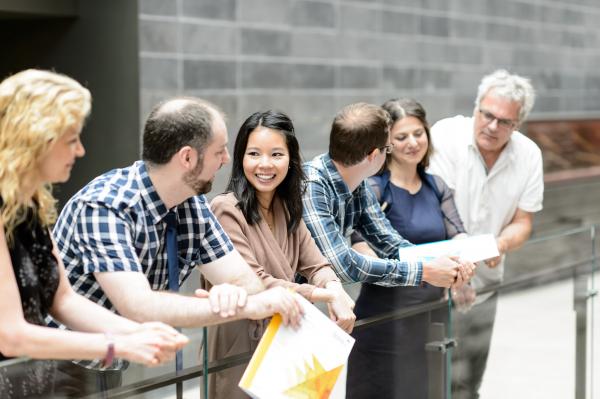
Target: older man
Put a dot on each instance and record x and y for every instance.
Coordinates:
(497, 176)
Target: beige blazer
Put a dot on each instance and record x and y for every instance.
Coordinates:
(275, 257)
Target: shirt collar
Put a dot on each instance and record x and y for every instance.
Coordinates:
(154, 205)
(339, 185)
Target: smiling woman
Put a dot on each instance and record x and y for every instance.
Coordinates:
(263, 217)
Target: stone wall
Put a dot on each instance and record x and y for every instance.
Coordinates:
(310, 57)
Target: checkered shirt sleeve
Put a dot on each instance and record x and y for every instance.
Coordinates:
(351, 266)
(105, 240)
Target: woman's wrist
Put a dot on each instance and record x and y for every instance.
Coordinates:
(335, 286)
(110, 350)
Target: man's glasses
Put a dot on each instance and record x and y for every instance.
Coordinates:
(502, 123)
(387, 148)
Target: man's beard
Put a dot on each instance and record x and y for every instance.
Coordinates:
(197, 185)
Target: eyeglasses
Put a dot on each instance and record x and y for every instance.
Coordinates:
(387, 148)
(502, 123)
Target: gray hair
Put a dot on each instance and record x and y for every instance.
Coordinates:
(512, 87)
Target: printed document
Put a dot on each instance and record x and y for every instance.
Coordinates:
(308, 363)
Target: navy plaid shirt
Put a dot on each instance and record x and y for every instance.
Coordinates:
(115, 223)
(332, 213)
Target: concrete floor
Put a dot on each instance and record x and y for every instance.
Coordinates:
(533, 346)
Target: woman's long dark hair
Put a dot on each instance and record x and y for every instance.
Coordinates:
(291, 188)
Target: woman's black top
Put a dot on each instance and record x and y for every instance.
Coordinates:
(37, 276)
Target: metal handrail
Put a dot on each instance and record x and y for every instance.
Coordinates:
(521, 283)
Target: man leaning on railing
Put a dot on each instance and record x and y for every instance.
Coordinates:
(497, 176)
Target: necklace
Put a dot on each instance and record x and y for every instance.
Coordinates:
(271, 227)
(264, 208)
(267, 215)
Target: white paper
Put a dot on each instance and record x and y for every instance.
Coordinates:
(306, 363)
(473, 249)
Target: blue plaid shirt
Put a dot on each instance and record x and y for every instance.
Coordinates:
(115, 223)
(332, 213)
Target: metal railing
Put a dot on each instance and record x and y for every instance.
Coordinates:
(580, 271)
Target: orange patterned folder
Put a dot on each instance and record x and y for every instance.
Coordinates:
(308, 363)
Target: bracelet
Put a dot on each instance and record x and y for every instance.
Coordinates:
(110, 351)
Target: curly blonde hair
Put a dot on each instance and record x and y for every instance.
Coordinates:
(36, 108)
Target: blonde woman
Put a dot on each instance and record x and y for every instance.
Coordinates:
(41, 116)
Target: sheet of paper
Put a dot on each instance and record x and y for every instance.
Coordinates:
(306, 363)
(473, 248)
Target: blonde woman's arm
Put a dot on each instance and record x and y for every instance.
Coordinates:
(149, 345)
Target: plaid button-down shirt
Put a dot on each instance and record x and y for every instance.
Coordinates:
(115, 223)
(332, 213)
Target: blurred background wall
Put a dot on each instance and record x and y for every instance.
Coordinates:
(96, 43)
(309, 58)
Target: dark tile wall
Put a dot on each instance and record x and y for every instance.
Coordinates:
(310, 57)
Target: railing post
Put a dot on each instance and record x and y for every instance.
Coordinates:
(591, 294)
(205, 362)
(437, 353)
(581, 294)
(580, 307)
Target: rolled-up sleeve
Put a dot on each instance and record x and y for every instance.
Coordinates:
(350, 265)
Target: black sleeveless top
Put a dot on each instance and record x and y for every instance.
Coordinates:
(36, 272)
(35, 267)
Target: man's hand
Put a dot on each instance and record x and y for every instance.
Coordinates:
(502, 249)
(466, 270)
(225, 299)
(275, 300)
(441, 272)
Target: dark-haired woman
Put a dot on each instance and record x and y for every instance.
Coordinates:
(262, 213)
(389, 360)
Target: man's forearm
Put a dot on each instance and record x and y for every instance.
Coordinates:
(363, 248)
(252, 285)
(517, 232)
(232, 269)
(514, 236)
(173, 309)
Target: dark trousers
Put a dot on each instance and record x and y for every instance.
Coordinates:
(74, 381)
(388, 360)
(473, 332)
